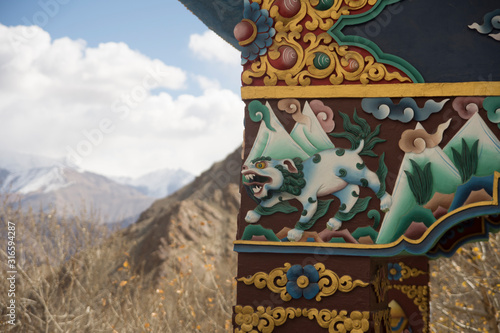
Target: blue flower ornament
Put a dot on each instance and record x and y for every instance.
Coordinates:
(394, 271)
(254, 32)
(302, 281)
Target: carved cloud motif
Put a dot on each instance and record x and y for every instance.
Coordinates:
(417, 140)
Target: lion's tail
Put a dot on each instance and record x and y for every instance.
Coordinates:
(361, 146)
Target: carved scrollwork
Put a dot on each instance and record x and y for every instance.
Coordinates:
(420, 297)
(266, 319)
(409, 272)
(308, 281)
(315, 54)
(400, 271)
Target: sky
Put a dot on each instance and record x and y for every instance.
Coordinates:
(120, 88)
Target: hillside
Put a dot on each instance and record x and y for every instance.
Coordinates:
(44, 183)
(173, 270)
(199, 217)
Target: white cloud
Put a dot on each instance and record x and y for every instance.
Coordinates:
(207, 83)
(210, 46)
(61, 96)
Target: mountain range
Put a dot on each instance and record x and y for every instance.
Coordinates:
(43, 183)
(198, 221)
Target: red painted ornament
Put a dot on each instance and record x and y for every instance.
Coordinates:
(245, 32)
(352, 65)
(288, 8)
(287, 58)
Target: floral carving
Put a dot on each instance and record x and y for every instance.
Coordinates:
(297, 281)
(401, 271)
(394, 271)
(254, 32)
(302, 281)
(247, 318)
(302, 33)
(266, 319)
(420, 297)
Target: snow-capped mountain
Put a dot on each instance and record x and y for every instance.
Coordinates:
(488, 145)
(44, 179)
(41, 182)
(158, 184)
(16, 162)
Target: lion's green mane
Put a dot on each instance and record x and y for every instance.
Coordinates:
(293, 182)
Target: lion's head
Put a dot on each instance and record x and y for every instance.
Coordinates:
(266, 176)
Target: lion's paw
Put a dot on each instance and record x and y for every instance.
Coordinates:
(252, 216)
(294, 235)
(385, 202)
(333, 224)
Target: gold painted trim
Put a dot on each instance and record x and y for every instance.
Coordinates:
(420, 297)
(409, 272)
(267, 319)
(493, 202)
(375, 90)
(328, 284)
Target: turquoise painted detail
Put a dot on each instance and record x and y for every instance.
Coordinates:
(259, 112)
(337, 240)
(466, 161)
(419, 214)
(323, 206)
(258, 230)
(359, 206)
(375, 215)
(492, 106)
(340, 152)
(342, 173)
(369, 231)
(321, 60)
(364, 182)
(316, 158)
(360, 131)
(280, 207)
(311, 200)
(324, 4)
(388, 59)
(381, 174)
(365, 231)
(420, 182)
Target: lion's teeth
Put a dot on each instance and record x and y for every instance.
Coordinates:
(256, 189)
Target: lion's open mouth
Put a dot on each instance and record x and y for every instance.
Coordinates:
(255, 182)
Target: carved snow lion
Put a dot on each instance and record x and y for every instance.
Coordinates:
(333, 171)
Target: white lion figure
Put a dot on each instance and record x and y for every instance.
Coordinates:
(333, 171)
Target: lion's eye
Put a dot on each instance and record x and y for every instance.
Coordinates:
(260, 165)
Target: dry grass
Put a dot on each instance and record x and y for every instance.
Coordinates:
(465, 289)
(74, 275)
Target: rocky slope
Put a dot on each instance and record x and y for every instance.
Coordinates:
(197, 223)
